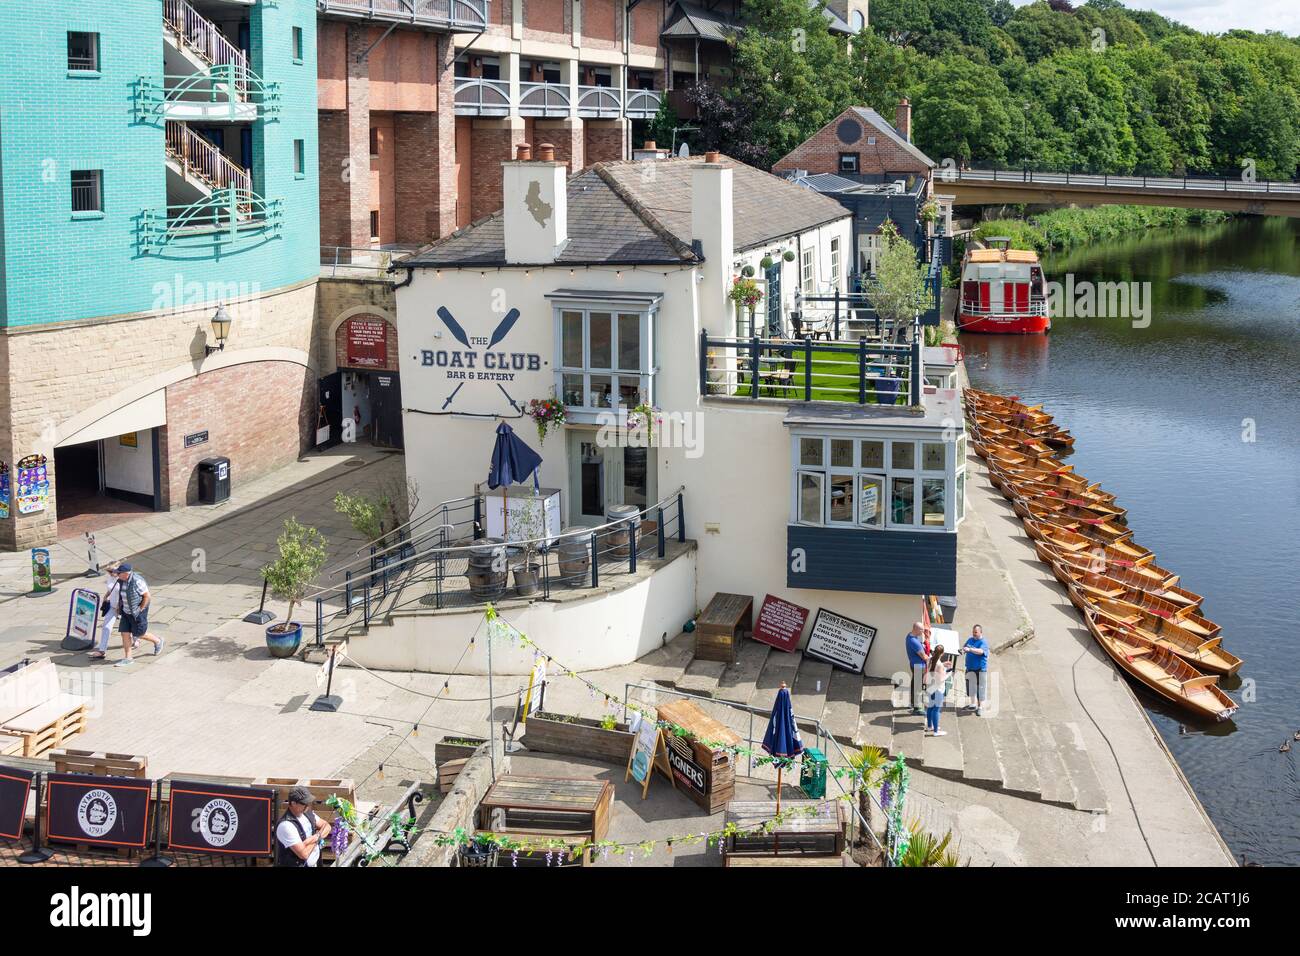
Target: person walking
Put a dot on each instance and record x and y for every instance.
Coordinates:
(299, 832)
(109, 609)
(916, 659)
(936, 683)
(135, 614)
(977, 670)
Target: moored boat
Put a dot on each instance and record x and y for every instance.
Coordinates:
(1053, 435)
(1206, 654)
(1162, 671)
(1149, 578)
(1074, 518)
(1095, 587)
(1002, 291)
(1022, 492)
(1075, 538)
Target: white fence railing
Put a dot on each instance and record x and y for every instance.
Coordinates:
(201, 35)
(200, 158)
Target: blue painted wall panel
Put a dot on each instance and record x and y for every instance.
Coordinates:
(882, 562)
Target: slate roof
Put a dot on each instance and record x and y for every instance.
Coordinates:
(687, 21)
(883, 125)
(617, 215)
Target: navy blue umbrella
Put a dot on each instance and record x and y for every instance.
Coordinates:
(512, 462)
(782, 739)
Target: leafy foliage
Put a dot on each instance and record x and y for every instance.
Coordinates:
(898, 290)
(365, 512)
(302, 555)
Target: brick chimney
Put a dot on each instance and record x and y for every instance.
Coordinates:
(712, 229)
(903, 118)
(534, 206)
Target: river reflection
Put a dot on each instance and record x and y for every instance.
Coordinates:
(1193, 423)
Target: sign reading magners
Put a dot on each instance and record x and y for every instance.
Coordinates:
(15, 787)
(110, 811)
(214, 818)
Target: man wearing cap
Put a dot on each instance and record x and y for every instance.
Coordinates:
(135, 613)
(300, 833)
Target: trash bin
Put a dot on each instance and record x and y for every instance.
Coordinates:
(812, 773)
(948, 606)
(214, 480)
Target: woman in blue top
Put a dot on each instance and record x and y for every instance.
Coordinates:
(977, 670)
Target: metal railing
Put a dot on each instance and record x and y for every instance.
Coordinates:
(354, 261)
(451, 566)
(643, 104)
(240, 94)
(868, 373)
(200, 158)
(201, 35)
(1037, 305)
(464, 15)
(226, 217)
(476, 96)
(754, 738)
(543, 99)
(600, 102)
(1025, 175)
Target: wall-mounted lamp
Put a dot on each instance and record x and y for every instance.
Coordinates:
(220, 330)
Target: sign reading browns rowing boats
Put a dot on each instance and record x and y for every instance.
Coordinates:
(215, 818)
(104, 811)
(15, 786)
(840, 641)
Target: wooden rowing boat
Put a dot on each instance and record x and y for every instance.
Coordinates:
(1161, 671)
(1206, 654)
(1147, 578)
(992, 427)
(1023, 491)
(1033, 451)
(1010, 411)
(1098, 587)
(1009, 458)
(1061, 480)
(1074, 518)
(1047, 529)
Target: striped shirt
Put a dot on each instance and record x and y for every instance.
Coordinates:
(134, 589)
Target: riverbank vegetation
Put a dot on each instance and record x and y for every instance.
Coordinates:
(1060, 229)
(1095, 87)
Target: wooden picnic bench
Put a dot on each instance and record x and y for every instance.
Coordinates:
(719, 629)
(808, 828)
(538, 809)
(35, 714)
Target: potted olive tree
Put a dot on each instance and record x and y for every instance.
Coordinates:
(530, 525)
(302, 555)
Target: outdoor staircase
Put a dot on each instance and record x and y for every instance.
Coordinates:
(201, 164)
(198, 40)
(1023, 748)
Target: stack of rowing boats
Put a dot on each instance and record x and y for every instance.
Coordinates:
(1152, 628)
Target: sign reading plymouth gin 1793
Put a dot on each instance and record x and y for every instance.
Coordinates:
(840, 640)
(481, 363)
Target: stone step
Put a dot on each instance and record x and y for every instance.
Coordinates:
(667, 664)
(876, 717)
(777, 668)
(909, 736)
(1089, 793)
(1011, 674)
(843, 709)
(944, 754)
(980, 764)
(1018, 773)
(1055, 785)
(738, 682)
(1044, 681)
(808, 694)
(701, 677)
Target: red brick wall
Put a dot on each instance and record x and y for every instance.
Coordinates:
(244, 410)
(606, 141)
(491, 144)
(341, 342)
(547, 19)
(647, 20)
(600, 21)
(820, 153)
(565, 137)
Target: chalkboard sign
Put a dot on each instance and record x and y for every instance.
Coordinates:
(15, 787)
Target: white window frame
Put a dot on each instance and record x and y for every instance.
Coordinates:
(835, 262)
(952, 475)
(808, 270)
(645, 375)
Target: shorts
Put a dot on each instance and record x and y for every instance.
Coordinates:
(137, 625)
(977, 685)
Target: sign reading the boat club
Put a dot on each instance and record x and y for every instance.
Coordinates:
(481, 363)
(215, 818)
(780, 623)
(15, 788)
(104, 811)
(366, 342)
(840, 641)
(685, 769)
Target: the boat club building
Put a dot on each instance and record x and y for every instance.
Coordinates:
(827, 475)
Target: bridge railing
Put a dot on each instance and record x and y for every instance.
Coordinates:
(1153, 181)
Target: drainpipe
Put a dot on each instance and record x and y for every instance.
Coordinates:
(410, 276)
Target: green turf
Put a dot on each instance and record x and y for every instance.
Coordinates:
(834, 379)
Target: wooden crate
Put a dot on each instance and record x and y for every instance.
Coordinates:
(41, 737)
(717, 766)
(450, 748)
(447, 774)
(579, 736)
(722, 624)
(99, 763)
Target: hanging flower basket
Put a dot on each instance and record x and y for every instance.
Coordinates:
(546, 413)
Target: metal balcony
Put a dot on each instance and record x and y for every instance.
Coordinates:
(222, 94)
(460, 16)
(476, 96)
(600, 102)
(543, 99)
(643, 104)
(225, 221)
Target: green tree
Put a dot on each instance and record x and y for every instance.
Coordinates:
(898, 291)
(962, 112)
(302, 553)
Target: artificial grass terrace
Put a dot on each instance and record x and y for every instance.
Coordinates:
(834, 379)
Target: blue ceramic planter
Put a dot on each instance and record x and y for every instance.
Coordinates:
(283, 643)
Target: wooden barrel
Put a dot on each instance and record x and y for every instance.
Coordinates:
(488, 571)
(574, 555)
(617, 539)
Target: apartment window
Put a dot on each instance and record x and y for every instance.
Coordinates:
(878, 483)
(835, 262)
(604, 357)
(83, 52)
(374, 141)
(299, 158)
(374, 224)
(297, 44)
(808, 271)
(869, 250)
(848, 162)
(87, 190)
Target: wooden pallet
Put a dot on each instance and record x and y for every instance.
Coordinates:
(99, 763)
(40, 739)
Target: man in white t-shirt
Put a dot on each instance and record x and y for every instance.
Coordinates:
(300, 832)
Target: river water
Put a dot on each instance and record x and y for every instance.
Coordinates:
(1194, 423)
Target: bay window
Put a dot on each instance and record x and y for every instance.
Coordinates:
(604, 352)
(888, 483)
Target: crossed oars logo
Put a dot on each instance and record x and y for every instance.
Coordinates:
(458, 333)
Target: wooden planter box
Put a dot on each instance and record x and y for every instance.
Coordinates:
(579, 736)
(455, 748)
